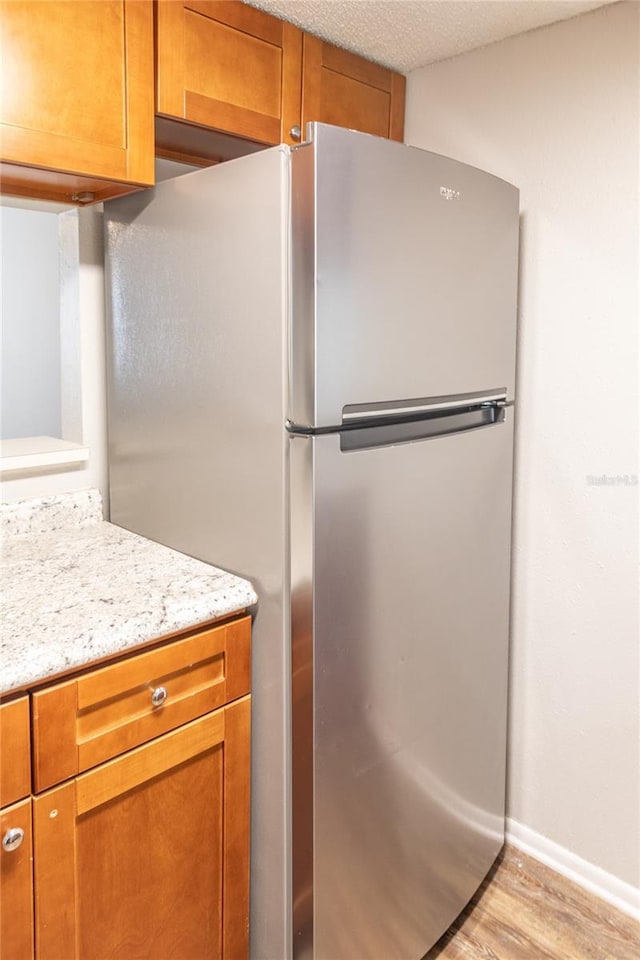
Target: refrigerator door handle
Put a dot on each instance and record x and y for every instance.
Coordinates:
(379, 433)
(423, 405)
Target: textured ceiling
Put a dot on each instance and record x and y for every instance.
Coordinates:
(405, 34)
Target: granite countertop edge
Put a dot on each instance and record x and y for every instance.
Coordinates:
(77, 590)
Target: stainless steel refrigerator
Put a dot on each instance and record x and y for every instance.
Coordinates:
(311, 383)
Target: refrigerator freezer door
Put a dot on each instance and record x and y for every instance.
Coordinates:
(404, 276)
(400, 580)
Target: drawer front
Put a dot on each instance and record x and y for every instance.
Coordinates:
(15, 751)
(82, 722)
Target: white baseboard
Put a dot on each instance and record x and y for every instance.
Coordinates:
(617, 892)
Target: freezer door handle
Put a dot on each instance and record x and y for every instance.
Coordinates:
(385, 433)
(423, 405)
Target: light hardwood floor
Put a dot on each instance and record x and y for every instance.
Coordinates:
(525, 911)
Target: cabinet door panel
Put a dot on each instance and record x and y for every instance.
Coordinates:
(341, 88)
(229, 67)
(16, 899)
(77, 82)
(181, 906)
(149, 836)
(222, 77)
(346, 102)
(91, 39)
(15, 751)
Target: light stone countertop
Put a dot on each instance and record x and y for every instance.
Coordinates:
(76, 588)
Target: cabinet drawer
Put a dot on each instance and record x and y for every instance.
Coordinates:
(15, 751)
(82, 722)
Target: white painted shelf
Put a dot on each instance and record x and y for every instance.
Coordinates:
(32, 453)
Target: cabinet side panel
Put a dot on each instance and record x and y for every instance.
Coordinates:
(396, 120)
(237, 775)
(139, 64)
(291, 81)
(197, 284)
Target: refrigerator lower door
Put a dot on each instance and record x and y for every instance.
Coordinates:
(400, 588)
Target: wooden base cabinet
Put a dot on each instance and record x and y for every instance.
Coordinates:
(16, 882)
(136, 842)
(132, 858)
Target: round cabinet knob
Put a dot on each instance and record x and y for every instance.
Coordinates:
(159, 696)
(12, 839)
(295, 133)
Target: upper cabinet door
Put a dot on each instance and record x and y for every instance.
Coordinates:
(341, 88)
(77, 94)
(228, 67)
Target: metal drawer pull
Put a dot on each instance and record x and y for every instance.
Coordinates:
(159, 696)
(12, 839)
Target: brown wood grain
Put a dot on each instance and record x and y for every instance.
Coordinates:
(19, 181)
(16, 882)
(237, 775)
(15, 751)
(396, 119)
(231, 66)
(149, 866)
(241, 17)
(199, 145)
(242, 122)
(238, 656)
(139, 72)
(85, 721)
(170, 48)
(55, 750)
(54, 842)
(151, 668)
(351, 65)
(345, 102)
(291, 82)
(116, 777)
(77, 84)
(343, 89)
(222, 65)
(133, 857)
(526, 911)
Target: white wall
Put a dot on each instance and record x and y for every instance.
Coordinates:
(91, 380)
(29, 284)
(555, 111)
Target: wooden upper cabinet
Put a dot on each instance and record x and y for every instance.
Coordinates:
(341, 88)
(77, 96)
(226, 66)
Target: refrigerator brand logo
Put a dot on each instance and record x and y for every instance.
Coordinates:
(449, 194)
